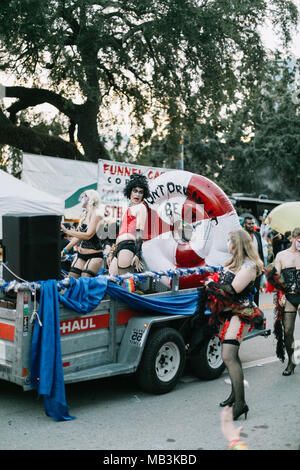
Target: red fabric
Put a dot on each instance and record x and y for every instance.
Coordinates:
(270, 288)
(218, 301)
(240, 333)
(128, 223)
(224, 329)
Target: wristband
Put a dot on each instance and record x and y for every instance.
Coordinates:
(66, 251)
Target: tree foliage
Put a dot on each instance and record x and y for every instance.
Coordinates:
(180, 59)
(254, 146)
(264, 135)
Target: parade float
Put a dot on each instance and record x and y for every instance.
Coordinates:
(59, 331)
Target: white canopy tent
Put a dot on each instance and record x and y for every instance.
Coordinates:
(61, 177)
(19, 197)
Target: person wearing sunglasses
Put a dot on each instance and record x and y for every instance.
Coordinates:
(125, 255)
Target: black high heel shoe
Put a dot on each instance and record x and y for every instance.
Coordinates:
(228, 402)
(289, 370)
(244, 410)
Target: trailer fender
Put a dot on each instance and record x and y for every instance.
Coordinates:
(136, 335)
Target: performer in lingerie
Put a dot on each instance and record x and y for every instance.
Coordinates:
(283, 276)
(231, 301)
(125, 255)
(89, 258)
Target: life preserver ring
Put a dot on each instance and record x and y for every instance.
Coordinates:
(189, 219)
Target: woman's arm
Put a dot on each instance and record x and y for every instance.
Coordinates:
(74, 241)
(277, 263)
(91, 230)
(141, 215)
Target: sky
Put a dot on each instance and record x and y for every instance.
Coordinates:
(271, 40)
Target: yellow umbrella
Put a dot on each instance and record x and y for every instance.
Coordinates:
(285, 217)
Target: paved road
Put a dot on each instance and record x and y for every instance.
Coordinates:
(113, 414)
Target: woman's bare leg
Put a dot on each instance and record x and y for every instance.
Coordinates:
(92, 267)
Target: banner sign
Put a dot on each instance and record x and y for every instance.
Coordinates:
(112, 178)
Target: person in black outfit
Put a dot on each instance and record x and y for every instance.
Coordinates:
(257, 241)
(278, 243)
(232, 307)
(89, 258)
(287, 240)
(285, 276)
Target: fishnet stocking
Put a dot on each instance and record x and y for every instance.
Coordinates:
(233, 363)
(288, 326)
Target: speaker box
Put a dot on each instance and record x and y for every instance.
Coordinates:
(31, 246)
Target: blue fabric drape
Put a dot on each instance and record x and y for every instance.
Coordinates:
(184, 304)
(84, 294)
(46, 359)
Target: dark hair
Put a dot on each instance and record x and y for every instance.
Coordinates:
(134, 182)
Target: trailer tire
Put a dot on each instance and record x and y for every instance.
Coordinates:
(207, 362)
(163, 361)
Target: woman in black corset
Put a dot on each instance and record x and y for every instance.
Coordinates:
(231, 303)
(89, 258)
(286, 277)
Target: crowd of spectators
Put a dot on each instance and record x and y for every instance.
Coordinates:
(271, 241)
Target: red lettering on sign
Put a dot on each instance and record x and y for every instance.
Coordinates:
(96, 322)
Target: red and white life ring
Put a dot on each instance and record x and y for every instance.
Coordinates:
(182, 197)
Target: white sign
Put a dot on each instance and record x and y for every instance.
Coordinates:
(112, 178)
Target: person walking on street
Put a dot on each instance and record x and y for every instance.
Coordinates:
(284, 275)
(231, 304)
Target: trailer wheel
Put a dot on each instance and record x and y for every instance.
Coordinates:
(163, 361)
(207, 362)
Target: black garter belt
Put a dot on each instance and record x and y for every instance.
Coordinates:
(88, 256)
(231, 341)
(294, 299)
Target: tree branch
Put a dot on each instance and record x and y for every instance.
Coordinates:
(35, 96)
(31, 141)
